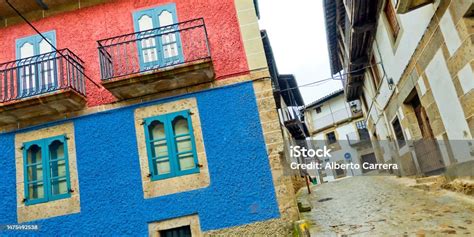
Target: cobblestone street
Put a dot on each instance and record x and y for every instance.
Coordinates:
(386, 206)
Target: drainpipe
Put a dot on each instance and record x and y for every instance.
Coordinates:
(42, 4)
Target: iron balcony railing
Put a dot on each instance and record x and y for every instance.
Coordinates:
(41, 74)
(152, 49)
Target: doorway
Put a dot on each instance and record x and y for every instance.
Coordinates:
(369, 159)
(426, 149)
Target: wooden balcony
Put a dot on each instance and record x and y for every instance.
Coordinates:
(156, 60)
(404, 6)
(46, 85)
(33, 7)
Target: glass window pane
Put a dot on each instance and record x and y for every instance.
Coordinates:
(59, 186)
(145, 23)
(186, 161)
(56, 150)
(157, 130)
(165, 18)
(58, 168)
(45, 47)
(27, 50)
(162, 166)
(170, 50)
(160, 149)
(35, 191)
(168, 38)
(183, 144)
(35, 172)
(149, 55)
(180, 126)
(47, 70)
(34, 155)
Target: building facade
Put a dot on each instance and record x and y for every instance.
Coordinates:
(289, 102)
(339, 125)
(151, 117)
(415, 80)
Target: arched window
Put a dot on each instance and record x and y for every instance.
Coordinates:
(37, 70)
(159, 148)
(170, 145)
(57, 164)
(34, 170)
(159, 42)
(184, 146)
(46, 170)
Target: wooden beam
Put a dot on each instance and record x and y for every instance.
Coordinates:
(360, 60)
(358, 72)
(364, 27)
(356, 83)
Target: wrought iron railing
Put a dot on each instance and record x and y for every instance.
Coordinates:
(152, 49)
(41, 74)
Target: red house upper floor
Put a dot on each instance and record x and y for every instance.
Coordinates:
(199, 28)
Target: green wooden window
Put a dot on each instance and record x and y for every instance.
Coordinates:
(46, 170)
(170, 145)
(156, 47)
(37, 71)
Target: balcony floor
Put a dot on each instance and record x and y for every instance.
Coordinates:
(163, 79)
(46, 105)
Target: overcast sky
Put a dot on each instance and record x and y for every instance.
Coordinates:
(298, 38)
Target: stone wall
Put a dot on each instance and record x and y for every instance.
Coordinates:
(450, 33)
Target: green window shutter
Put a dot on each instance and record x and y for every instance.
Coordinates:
(36, 74)
(59, 185)
(170, 145)
(158, 144)
(46, 170)
(34, 170)
(156, 47)
(184, 144)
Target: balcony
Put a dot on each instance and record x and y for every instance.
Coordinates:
(41, 86)
(156, 60)
(351, 26)
(359, 138)
(333, 119)
(39, 9)
(404, 6)
(292, 119)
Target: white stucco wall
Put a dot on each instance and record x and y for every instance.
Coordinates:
(396, 54)
(448, 104)
(341, 131)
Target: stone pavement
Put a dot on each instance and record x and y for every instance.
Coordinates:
(386, 206)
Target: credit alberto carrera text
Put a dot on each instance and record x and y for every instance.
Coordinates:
(322, 159)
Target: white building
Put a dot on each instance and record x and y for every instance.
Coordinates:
(340, 126)
(410, 63)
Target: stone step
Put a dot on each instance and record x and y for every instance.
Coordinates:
(304, 206)
(431, 179)
(424, 186)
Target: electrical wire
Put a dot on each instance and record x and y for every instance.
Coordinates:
(54, 47)
(322, 81)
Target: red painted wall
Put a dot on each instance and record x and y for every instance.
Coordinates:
(79, 30)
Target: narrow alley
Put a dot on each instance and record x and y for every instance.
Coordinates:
(386, 206)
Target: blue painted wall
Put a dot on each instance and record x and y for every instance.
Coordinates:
(241, 189)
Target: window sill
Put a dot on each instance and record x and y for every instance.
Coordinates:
(43, 200)
(197, 178)
(171, 176)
